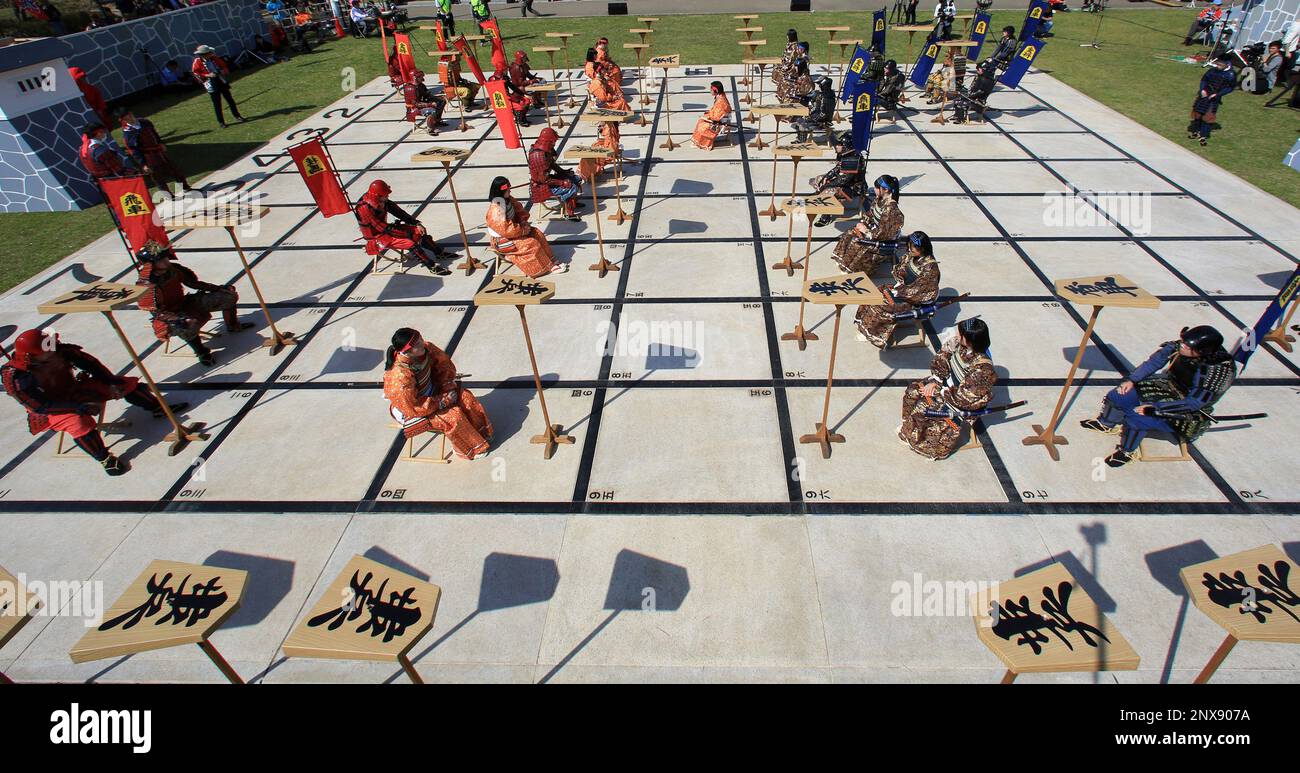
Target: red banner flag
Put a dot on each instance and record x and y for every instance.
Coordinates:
(439, 35)
(468, 56)
(493, 32)
(129, 198)
(313, 162)
(405, 56)
(505, 116)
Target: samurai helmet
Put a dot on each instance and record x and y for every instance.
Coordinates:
(547, 139)
(379, 190)
(1202, 339)
(32, 343)
(152, 252)
(843, 139)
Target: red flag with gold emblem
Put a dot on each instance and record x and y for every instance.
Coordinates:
(405, 57)
(493, 32)
(505, 116)
(313, 162)
(439, 36)
(468, 56)
(129, 198)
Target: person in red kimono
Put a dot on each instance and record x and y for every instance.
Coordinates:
(711, 124)
(64, 389)
(148, 151)
(424, 395)
(513, 236)
(548, 180)
(101, 156)
(175, 313)
(92, 94)
(408, 234)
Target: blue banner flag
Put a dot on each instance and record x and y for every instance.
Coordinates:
(864, 114)
(1029, 51)
(978, 29)
(878, 31)
(925, 62)
(1033, 17)
(1272, 315)
(857, 66)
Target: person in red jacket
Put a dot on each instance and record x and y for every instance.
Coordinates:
(147, 150)
(372, 214)
(64, 389)
(93, 96)
(213, 72)
(176, 313)
(101, 156)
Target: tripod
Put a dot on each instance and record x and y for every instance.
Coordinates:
(1096, 33)
(896, 14)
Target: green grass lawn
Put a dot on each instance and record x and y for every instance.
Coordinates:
(1127, 73)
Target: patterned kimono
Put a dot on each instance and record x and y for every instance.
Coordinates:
(608, 136)
(916, 283)
(884, 221)
(427, 398)
(708, 127)
(966, 378)
(602, 92)
(797, 83)
(613, 73)
(786, 68)
(523, 245)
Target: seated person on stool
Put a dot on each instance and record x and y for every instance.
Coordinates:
(916, 283)
(612, 71)
(455, 86)
(608, 136)
(847, 179)
(41, 376)
(423, 107)
(1199, 372)
(875, 238)
(519, 101)
(601, 87)
(522, 77)
(424, 395)
(547, 179)
(1006, 50)
(372, 214)
(821, 111)
(715, 118)
(890, 92)
(175, 313)
(961, 379)
(977, 98)
(513, 236)
(146, 148)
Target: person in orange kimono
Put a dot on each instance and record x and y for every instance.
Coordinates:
(424, 395)
(607, 136)
(513, 236)
(599, 86)
(710, 126)
(613, 72)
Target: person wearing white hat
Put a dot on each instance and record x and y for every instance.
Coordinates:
(212, 71)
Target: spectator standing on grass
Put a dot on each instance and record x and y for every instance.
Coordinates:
(444, 15)
(1216, 84)
(213, 72)
(1271, 67)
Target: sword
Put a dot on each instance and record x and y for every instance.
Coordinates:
(1212, 418)
(928, 310)
(944, 413)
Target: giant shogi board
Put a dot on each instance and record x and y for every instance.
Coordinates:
(670, 374)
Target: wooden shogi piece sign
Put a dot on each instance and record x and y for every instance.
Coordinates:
(369, 612)
(544, 89)
(521, 292)
(577, 153)
(105, 298)
(1254, 595)
(201, 218)
(446, 156)
(826, 204)
(778, 112)
(16, 611)
(1045, 623)
(607, 115)
(1098, 292)
(169, 605)
(840, 290)
(665, 62)
(794, 151)
(640, 71)
(563, 37)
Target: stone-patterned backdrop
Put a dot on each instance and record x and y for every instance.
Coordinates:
(39, 167)
(1292, 158)
(1267, 20)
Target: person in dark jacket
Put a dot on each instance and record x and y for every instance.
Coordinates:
(146, 148)
(1216, 83)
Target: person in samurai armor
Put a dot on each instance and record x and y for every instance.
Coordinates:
(798, 82)
(175, 313)
(975, 100)
(519, 101)
(1172, 392)
(147, 150)
(64, 389)
(916, 283)
(890, 93)
(424, 395)
(101, 156)
(455, 85)
(372, 213)
(847, 179)
(961, 379)
(785, 70)
(874, 239)
(710, 125)
(821, 110)
(1006, 50)
(423, 107)
(522, 77)
(514, 237)
(547, 180)
(1216, 83)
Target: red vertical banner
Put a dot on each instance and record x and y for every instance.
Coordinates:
(383, 35)
(439, 35)
(493, 32)
(129, 198)
(405, 56)
(313, 161)
(505, 116)
(468, 56)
